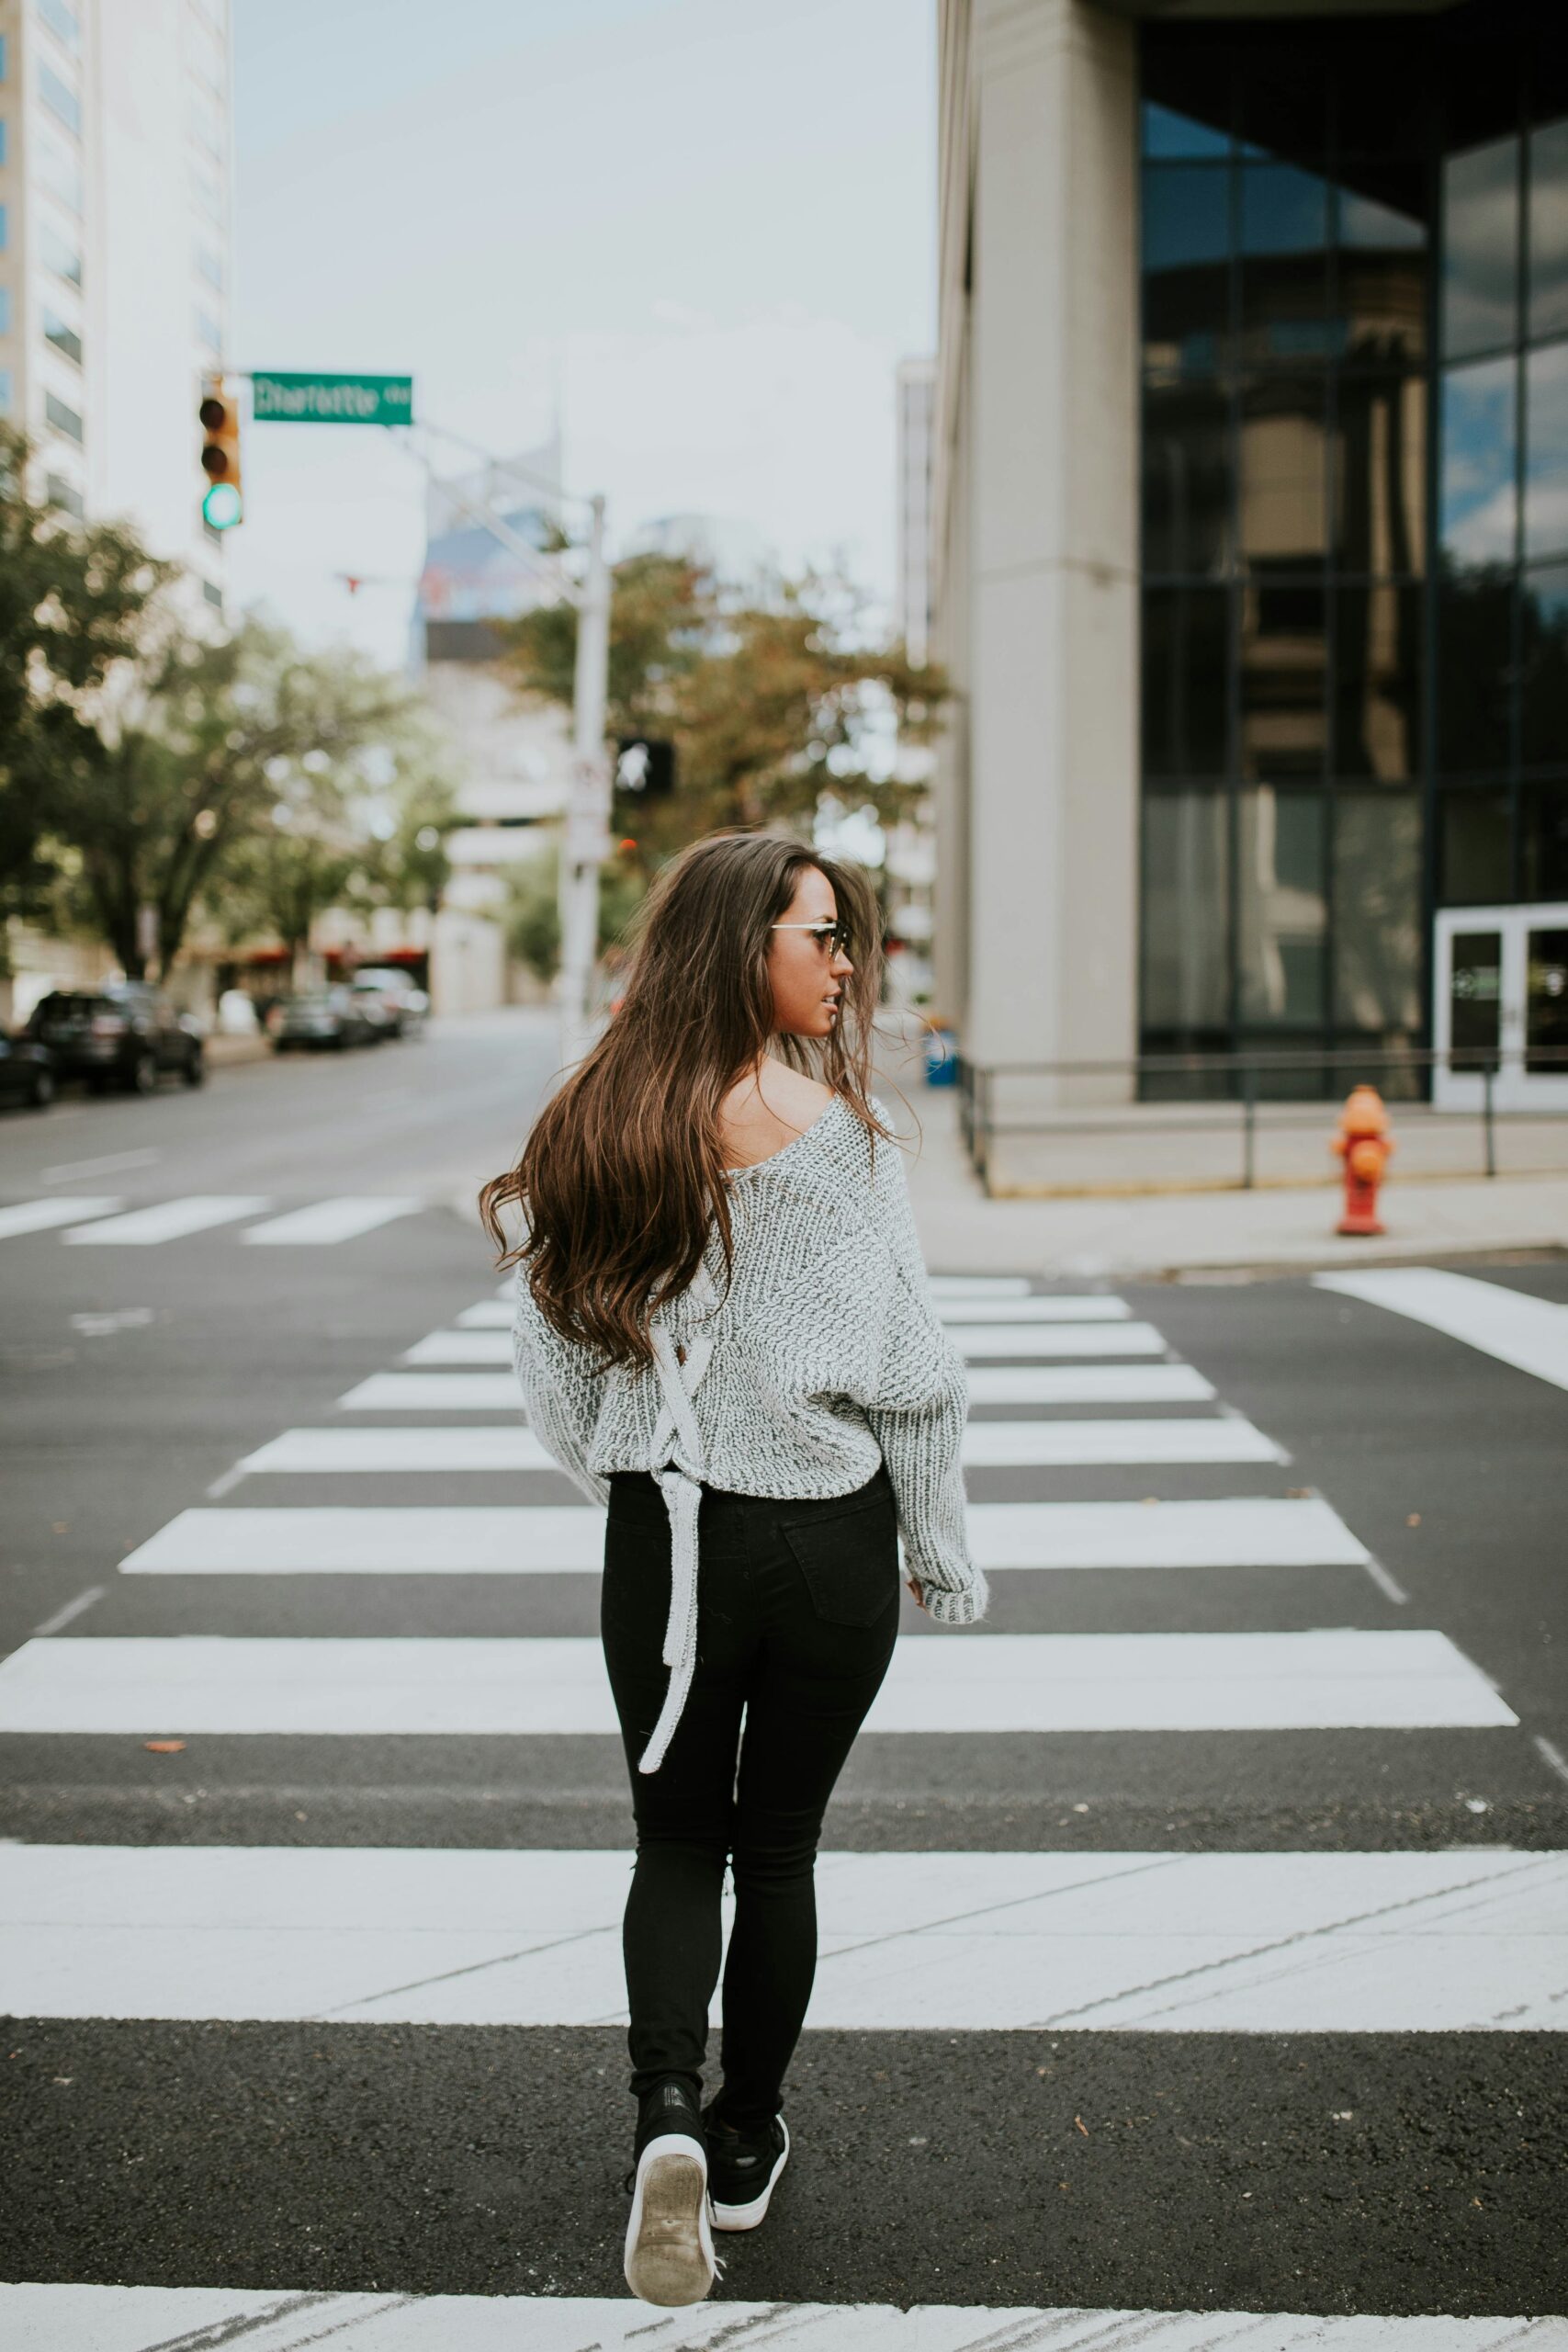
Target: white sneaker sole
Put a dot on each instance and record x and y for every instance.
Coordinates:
(746, 2217)
(670, 2257)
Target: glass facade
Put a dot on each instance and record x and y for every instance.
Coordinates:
(1355, 513)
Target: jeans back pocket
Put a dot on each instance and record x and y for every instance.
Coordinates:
(848, 1558)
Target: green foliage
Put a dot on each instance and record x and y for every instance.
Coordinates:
(532, 915)
(775, 707)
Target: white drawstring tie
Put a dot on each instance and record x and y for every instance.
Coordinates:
(677, 1459)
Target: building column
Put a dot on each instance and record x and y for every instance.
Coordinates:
(1052, 623)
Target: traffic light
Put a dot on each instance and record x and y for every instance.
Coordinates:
(223, 504)
(644, 768)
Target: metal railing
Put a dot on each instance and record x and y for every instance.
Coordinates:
(1250, 1082)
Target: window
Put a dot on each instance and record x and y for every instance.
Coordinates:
(1185, 920)
(213, 594)
(209, 195)
(3, 138)
(4, 228)
(4, 59)
(60, 98)
(210, 266)
(58, 255)
(1479, 495)
(6, 392)
(60, 174)
(62, 334)
(1548, 230)
(1282, 909)
(205, 129)
(64, 420)
(65, 495)
(208, 331)
(1481, 223)
(1546, 452)
(5, 310)
(62, 21)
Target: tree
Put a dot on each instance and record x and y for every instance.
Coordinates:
(775, 707)
(73, 601)
(532, 922)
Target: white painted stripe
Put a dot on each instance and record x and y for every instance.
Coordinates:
(324, 1222)
(976, 1341)
(300, 1452)
(489, 1315)
(1095, 1306)
(940, 1682)
(39, 1216)
(979, 1286)
(1069, 1444)
(169, 1220)
(1108, 1384)
(436, 1392)
(1118, 1384)
(1530, 1334)
(1441, 1942)
(986, 1444)
(551, 1539)
(460, 1348)
(142, 2319)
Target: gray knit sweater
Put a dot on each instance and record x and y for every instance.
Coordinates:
(825, 1357)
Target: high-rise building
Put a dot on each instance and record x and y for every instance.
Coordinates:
(115, 254)
(912, 539)
(1252, 531)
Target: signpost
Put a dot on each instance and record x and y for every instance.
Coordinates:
(331, 399)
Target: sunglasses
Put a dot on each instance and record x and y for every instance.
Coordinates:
(833, 938)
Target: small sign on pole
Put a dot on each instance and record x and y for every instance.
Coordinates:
(331, 399)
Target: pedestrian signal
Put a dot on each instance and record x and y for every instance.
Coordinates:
(645, 767)
(223, 503)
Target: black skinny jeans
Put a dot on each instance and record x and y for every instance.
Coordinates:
(797, 1615)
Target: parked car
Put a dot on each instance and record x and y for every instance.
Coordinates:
(327, 1019)
(127, 1034)
(27, 1071)
(404, 1005)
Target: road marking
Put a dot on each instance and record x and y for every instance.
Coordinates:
(1071, 1445)
(976, 1341)
(39, 1216)
(1120, 1384)
(170, 1220)
(1095, 1306)
(979, 1286)
(109, 1164)
(69, 1613)
(460, 1348)
(1530, 1334)
(392, 1451)
(551, 1539)
(986, 1444)
(436, 1392)
(1451, 1941)
(209, 1684)
(326, 1222)
(47, 2318)
(489, 1315)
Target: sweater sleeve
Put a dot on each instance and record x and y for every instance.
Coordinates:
(560, 1395)
(919, 1414)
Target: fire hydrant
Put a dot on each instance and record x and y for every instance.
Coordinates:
(1363, 1143)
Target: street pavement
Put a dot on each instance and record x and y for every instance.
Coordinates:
(1195, 1932)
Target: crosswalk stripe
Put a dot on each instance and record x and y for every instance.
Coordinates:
(977, 1342)
(40, 1216)
(1094, 1306)
(932, 1941)
(323, 1222)
(170, 1220)
(199, 1683)
(986, 1446)
(434, 1392)
(47, 2318)
(1530, 1334)
(550, 1539)
(979, 1286)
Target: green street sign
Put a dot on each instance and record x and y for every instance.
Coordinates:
(331, 399)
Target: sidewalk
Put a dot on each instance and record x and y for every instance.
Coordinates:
(1171, 1234)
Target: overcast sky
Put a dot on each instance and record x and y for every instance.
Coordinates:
(703, 229)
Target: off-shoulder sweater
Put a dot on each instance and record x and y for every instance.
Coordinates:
(823, 1357)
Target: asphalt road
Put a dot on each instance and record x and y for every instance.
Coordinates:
(1360, 2150)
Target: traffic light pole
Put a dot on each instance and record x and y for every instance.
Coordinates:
(587, 841)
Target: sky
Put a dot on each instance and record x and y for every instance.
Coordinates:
(700, 231)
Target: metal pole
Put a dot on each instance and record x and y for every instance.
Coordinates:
(586, 843)
(1249, 1127)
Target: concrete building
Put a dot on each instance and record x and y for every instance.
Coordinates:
(911, 856)
(115, 254)
(1250, 534)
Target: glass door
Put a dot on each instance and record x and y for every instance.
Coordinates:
(1502, 998)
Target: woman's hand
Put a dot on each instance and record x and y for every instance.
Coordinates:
(917, 1592)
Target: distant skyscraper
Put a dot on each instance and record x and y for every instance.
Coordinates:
(115, 253)
(912, 593)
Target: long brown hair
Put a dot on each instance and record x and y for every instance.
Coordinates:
(622, 1174)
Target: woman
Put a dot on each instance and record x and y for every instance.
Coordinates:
(724, 1333)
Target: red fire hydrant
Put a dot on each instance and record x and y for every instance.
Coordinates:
(1363, 1143)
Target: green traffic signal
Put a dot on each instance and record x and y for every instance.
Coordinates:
(223, 507)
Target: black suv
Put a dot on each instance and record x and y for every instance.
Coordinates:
(126, 1035)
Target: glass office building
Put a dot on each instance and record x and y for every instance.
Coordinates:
(1341, 396)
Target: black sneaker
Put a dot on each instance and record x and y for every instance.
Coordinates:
(742, 2170)
(670, 2257)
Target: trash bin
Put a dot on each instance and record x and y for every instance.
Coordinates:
(942, 1055)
